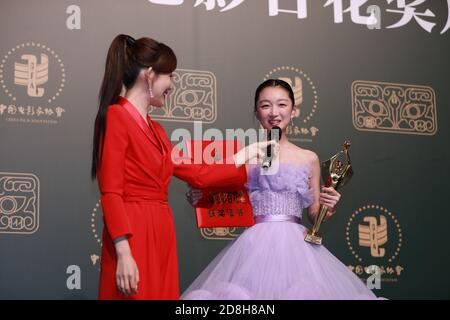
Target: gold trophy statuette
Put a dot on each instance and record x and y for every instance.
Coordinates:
(335, 174)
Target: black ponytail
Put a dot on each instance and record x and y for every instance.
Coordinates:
(126, 58)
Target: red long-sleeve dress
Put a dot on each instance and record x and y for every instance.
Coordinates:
(134, 175)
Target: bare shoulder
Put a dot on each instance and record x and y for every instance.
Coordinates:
(312, 157)
(309, 155)
(306, 156)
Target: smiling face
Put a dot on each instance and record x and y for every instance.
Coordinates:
(161, 86)
(274, 107)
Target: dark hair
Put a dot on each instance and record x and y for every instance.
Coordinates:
(126, 58)
(274, 83)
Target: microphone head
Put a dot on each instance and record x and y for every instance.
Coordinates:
(275, 129)
(267, 162)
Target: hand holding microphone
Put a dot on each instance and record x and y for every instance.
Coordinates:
(275, 134)
(254, 151)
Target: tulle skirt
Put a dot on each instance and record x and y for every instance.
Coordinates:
(272, 261)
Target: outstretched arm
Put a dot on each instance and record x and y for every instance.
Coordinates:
(230, 174)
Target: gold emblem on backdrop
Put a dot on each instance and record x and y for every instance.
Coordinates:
(395, 108)
(32, 77)
(374, 237)
(32, 74)
(220, 233)
(19, 203)
(194, 98)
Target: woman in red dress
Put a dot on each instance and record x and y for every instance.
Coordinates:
(132, 161)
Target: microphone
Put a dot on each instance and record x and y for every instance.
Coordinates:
(275, 132)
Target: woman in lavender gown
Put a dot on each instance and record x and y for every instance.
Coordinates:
(271, 260)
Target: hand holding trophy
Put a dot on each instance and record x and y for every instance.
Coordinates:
(336, 173)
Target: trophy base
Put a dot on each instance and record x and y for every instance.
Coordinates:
(314, 239)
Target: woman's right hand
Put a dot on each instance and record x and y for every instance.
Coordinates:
(255, 150)
(127, 273)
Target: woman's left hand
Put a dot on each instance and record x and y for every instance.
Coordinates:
(329, 197)
(193, 195)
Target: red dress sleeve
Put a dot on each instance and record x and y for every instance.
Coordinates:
(203, 176)
(111, 175)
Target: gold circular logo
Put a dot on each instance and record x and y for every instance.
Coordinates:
(28, 71)
(374, 234)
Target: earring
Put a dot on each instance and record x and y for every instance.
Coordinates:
(151, 93)
(290, 128)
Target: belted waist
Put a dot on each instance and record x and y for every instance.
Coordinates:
(277, 218)
(152, 198)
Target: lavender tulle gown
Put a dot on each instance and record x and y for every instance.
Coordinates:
(271, 260)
